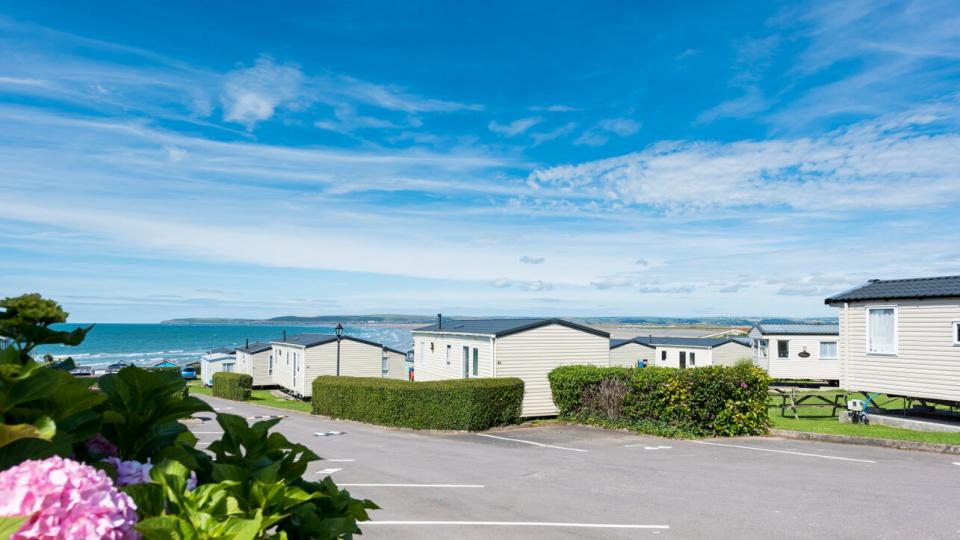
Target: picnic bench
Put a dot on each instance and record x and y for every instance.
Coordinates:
(793, 400)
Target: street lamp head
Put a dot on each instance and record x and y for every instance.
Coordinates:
(339, 330)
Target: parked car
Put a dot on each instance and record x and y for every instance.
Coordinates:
(188, 373)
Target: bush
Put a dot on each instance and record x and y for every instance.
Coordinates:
(235, 386)
(464, 404)
(249, 484)
(714, 400)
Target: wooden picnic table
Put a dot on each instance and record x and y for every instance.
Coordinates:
(794, 400)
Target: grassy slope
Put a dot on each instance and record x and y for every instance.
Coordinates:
(261, 397)
(819, 420)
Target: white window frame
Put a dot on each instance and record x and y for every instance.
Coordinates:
(896, 330)
(836, 345)
(955, 328)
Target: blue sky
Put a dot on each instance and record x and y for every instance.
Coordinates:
(182, 159)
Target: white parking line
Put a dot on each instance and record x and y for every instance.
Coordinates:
(956, 462)
(646, 447)
(328, 471)
(520, 524)
(530, 442)
(339, 460)
(784, 452)
(465, 486)
(222, 408)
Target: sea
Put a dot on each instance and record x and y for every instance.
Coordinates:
(147, 344)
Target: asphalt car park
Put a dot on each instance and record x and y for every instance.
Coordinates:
(562, 481)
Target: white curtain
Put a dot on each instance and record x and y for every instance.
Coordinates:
(828, 350)
(881, 330)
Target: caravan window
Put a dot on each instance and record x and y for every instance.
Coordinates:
(783, 349)
(828, 350)
(956, 332)
(882, 330)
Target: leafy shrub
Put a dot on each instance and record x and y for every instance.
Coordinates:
(465, 404)
(235, 386)
(252, 484)
(249, 486)
(712, 400)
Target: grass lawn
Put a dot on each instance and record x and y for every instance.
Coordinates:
(819, 420)
(261, 397)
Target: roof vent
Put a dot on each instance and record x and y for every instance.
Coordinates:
(248, 343)
(439, 321)
(284, 335)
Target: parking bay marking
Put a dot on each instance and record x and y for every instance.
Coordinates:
(530, 442)
(328, 471)
(646, 447)
(521, 524)
(784, 452)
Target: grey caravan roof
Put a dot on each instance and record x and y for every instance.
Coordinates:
(502, 327)
(799, 329)
(892, 289)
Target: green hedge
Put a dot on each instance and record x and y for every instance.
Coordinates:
(463, 404)
(712, 400)
(230, 385)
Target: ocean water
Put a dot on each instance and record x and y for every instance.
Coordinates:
(147, 344)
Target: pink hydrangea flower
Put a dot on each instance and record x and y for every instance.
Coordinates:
(65, 499)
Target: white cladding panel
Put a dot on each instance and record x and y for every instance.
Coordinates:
(256, 365)
(926, 362)
(730, 353)
(396, 365)
(795, 366)
(439, 356)
(532, 354)
(628, 354)
(669, 356)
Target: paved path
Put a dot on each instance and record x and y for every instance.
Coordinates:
(578, 482)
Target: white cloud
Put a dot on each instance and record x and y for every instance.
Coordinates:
(611, 282)
(175, 153)
(591, 138)
(899, 161)
(500, 282)
(598, 134)
(526, 259)
(536, 286)
(665, 290)
(252, 94)
(623, 127)
(514, 128)
(544, 136)
(555, 108)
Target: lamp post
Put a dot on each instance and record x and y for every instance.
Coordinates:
(339, 331)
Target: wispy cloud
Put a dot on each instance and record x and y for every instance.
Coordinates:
(598, 135)
(526, 259)
(544, 136)
(904, 160)
(40, 62)
(611, 282)
(514, 128)
(555, 108)
(252, 94)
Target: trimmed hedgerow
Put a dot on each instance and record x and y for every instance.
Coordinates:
(462, 404)
(229, 385)
(713, 400)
